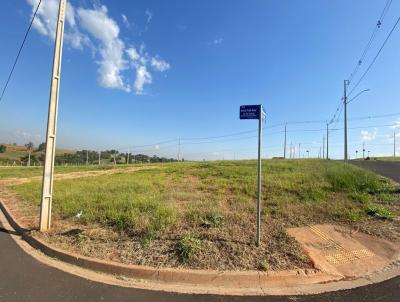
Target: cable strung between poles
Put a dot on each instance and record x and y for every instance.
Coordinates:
(20, 49)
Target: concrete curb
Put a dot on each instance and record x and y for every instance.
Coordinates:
(241, 279)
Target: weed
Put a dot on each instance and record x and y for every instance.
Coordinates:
(264, 265)
(211, 219)
(379, 212)
(188, 247)
(361, 197)
(77, 234)
(354, 215)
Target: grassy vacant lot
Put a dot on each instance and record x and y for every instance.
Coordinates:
(202, 215)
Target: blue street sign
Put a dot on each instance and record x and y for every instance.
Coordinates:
(250, 112)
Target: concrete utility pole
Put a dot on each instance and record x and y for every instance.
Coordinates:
(323, 147)
(87, 157)
(299, 151)
(99, 158)
(327, 140)
(127, 158)
(29, 157)
(284, 145)
(346, 83)
(48, 171)
(179, 149)
(291, 150)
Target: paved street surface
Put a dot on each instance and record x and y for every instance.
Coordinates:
(385, 168)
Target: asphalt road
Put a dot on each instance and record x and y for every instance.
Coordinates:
(22, 278)
(389, 169)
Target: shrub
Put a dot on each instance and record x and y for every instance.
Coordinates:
(188, 246)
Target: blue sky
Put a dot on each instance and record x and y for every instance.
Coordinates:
(136, 73)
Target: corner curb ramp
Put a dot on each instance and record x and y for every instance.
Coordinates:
(241, 282)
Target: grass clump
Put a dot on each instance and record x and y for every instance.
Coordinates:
(379, 212)
(264, 265)
(212, 219)
(188, 247)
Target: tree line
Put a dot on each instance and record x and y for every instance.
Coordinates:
(36, 156)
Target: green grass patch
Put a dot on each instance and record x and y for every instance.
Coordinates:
(379, 212)
(188, 247)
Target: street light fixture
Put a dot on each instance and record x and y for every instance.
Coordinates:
(345, 102)
(358, 94)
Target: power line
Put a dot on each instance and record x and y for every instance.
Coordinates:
(376, 56)
(213, 139)
(336, 112)
(19, 51)
(373, 116)
(371, 39)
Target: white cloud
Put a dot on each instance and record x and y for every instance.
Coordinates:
(94, 28)
(149, 16)
(133, 54)
(216, 41)
(24, 136)
(46, 19)
(125, 21)
(143, 77)
(159, 64)
(369, 135)
(140, 60)
(97, 22)
(396, 125)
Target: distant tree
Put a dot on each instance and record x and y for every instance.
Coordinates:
(42, 147)
(29, 146)
(3, 148)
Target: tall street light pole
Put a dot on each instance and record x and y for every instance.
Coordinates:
(284, 146)
(327, 140)
(48, 171)
(346, 83)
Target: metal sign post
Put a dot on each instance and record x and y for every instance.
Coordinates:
(48, 172)
(256, 112)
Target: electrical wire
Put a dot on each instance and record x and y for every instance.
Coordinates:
(376, 56)
(19, 51)
(371, 39)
